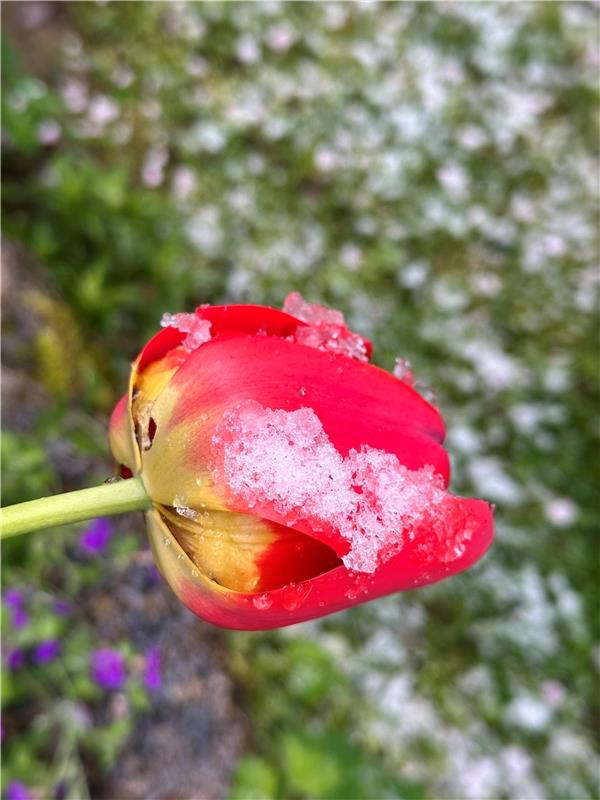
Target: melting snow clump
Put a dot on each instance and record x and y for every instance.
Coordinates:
(325, 328)
(197, 329)
(285, 459)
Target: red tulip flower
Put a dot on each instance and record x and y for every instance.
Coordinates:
(289, 477)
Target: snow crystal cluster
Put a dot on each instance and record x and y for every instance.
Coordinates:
(197, 329)
(325, 328)
(286, 459)
(181, 507)
(403, 372)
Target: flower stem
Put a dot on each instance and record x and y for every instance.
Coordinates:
(99, 501)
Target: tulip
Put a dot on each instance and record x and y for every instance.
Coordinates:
(289, 478)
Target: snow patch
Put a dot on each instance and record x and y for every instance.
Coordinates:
(285, 459)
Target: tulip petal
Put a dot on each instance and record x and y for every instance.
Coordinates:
(120, 436)
(225, 321)
(249, 319)
(180, 572)
(282, 374)
(245, 553)
(416, 565)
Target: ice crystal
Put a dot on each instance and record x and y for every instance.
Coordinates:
(262, 602)
(181, 508)
(325, 328)
(197, 329)
(402, 371)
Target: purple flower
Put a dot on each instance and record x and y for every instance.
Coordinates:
(15, 659)
(154, 575)
(108, 668)
(13, 598)
(19, 617)
(62, 608)
(46, 651)
(60, 790)
(152, 677)
(17, 791)
(96, 536)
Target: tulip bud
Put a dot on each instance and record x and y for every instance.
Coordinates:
(289, 477)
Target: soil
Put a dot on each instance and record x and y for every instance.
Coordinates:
(186, 746)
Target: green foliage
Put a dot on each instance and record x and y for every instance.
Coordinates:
(255, 779)
(30, 474)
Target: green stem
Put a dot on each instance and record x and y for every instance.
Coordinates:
(99, 501)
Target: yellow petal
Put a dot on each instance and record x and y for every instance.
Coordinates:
(120, 436)
(145, 387)
(224, 547)
(169, 475)
(173, 562)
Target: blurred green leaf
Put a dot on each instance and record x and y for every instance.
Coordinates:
(255, 779)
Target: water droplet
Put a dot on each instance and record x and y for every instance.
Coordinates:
(262, 601)
(199, 481)
(203, 416)
(359, 587)
(295, 595)
(302, 391)
(194, 573)
(113, 479)
(166, 541)
(180, 556)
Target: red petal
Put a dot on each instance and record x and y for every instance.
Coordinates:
(249, 319)
(226, 321)
(338, 589)
(235, 319)
(357, 403)
(294, 557)
(158, 347)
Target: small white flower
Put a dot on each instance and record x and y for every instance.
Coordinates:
(48, 132)
(281, 37)
(247, 50)
(561, 512)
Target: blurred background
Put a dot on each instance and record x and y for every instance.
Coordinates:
(431, 170)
